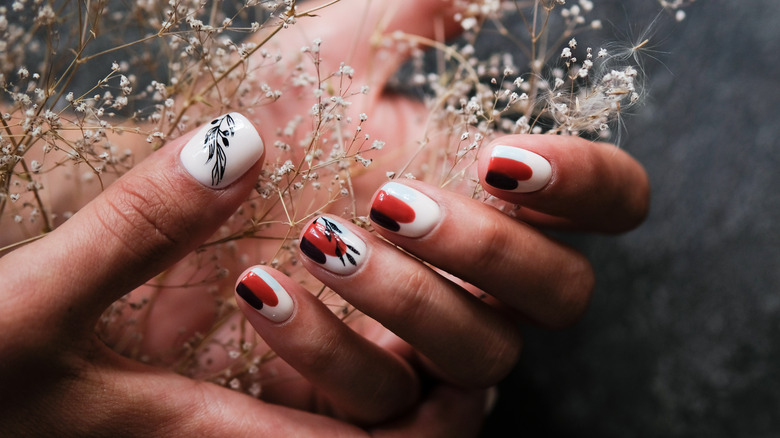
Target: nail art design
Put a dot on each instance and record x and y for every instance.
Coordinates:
(333, 246)
(261, 291)
(222, 151)
(216, 142)
(404, 210)
(517, 170)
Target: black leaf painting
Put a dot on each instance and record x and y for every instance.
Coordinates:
(216, 142)
(332, 231)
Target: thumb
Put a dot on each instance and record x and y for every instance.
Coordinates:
(143, 223)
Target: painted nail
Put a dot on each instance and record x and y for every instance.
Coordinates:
(404, 210)
(517, 170)
(333, 246)
(222, 150)
(261, 291)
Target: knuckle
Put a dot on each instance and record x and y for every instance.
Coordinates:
(412, 296)
(497, 359)
(576, 283)
(141, 220)
(488, 253)
(498, 370)
(318, 353)
(161, 411)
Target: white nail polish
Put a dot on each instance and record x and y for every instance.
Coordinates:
(261, 291)
(517, 170)
(222, 150)
(404, 210)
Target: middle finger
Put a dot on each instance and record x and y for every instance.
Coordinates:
(467, 341)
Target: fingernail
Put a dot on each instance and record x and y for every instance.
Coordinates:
(404, 210)
(517, 170)
(222, 150)
(333, 246)
(261, 291)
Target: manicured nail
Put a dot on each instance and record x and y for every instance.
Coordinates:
(333, 246)
(517, 170)
(261, 291)
(404, 210)
(222, 151)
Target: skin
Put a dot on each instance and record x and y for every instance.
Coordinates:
(395, 374)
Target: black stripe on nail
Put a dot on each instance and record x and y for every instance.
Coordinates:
(248, 296)
(384, 221)
(312, 251)
(501, 181)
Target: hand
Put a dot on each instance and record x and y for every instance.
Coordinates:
(57, 375)
(448, 304)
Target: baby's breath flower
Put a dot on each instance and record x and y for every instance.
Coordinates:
(377, 145)
(468, 23)
(346, 70)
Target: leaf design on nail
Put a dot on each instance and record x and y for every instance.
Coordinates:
(332, 231)
(216, 141)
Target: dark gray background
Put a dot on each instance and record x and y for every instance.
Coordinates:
(683, 335)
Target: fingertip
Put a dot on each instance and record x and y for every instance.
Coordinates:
(404, 210)
(567, 182)
(638, 204)
(260, 289)
(223, 150)
(329, 243)
(512, 166)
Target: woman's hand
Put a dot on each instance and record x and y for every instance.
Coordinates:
(449, 301)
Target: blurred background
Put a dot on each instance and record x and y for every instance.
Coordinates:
(683, 335)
